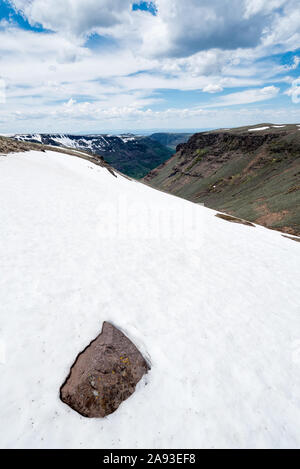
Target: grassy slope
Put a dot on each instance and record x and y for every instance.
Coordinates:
(253, 175)
(137, 159)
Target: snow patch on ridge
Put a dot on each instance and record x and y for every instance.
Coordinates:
(259, 128)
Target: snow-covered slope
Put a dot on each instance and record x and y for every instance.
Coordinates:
(213, 305)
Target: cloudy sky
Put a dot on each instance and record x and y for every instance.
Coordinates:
(121, 65)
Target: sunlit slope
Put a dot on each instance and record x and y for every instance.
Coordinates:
(251, 172)
(213, 305)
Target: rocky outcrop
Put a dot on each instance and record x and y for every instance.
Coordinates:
(9, 145)
(250, 172)
(234, 219)
(104, 375)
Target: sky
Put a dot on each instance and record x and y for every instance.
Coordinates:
(122, 65)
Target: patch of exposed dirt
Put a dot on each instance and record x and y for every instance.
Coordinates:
(293, 189)
(9, 145)
(234, 219)
(289, 230)
(256, 162)
(269, 218)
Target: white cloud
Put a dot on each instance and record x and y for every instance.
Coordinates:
(296, 61)
(287, 68)
(294, 91)
(212, 88)
(284, 32)
(179, 29)
(253, 7)
(184, 28)
(75, 17)
(207, 45)
(247, 96)
(91, 117)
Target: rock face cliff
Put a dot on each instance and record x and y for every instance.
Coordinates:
(251, 172)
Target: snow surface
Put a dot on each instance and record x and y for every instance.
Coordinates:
(278, 126)
(259, 128)
(213, 305)
(65, 141)
(126, 139)
(25, 138)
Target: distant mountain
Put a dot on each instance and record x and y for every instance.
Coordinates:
(251, 172)
(132, 155)
(170, 139)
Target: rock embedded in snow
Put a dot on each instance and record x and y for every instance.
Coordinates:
(104, 374)
(234, 219)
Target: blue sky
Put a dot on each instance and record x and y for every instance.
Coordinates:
(104, 65)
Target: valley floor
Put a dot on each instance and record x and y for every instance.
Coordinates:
(213, 305)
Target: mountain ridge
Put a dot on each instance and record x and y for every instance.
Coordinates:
(133, 155)
(252, 172)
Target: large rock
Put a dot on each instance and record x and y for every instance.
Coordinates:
(104, 374)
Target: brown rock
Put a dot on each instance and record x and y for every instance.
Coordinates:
(234, 219)
(104, 374)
